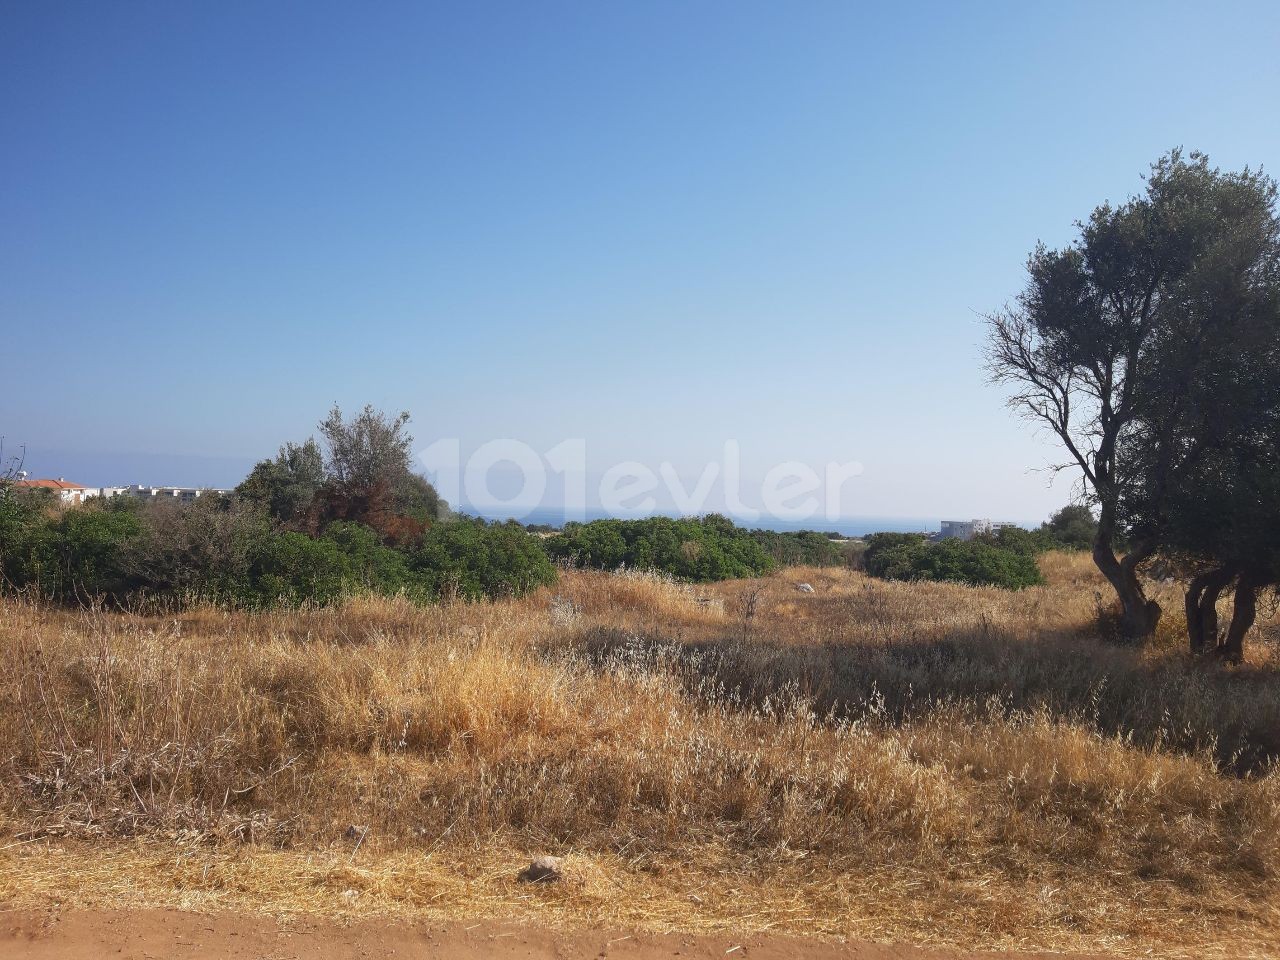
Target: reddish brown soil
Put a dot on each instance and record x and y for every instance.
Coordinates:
(166, 934)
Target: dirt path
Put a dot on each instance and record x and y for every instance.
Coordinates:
(178, 935)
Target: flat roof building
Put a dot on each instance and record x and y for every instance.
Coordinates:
(968, 529)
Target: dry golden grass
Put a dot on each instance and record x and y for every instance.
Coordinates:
(931, 763)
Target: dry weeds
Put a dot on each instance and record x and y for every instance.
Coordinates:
(931, 763)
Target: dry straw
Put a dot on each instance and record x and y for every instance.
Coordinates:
(931, 763)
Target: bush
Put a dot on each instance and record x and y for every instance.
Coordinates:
(201, 551)
(471, 559)
(291, 568)
(1028, 543)
(72, 556)
(701, 549)
(22, 526)
(909, 556)
(892, 556)
(1071, 528)
(230, 552)
(803, 548)
(978, 563)
(372, 566)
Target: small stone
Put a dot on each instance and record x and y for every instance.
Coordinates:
(805, 587)
(543, 870)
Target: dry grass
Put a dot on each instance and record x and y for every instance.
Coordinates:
(918, 762)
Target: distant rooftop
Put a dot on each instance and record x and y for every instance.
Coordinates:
(62, 483)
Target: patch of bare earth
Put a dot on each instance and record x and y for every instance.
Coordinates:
(175, 935)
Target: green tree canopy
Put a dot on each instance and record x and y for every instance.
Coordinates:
(1119, 336)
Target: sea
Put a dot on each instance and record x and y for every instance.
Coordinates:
(854, 526)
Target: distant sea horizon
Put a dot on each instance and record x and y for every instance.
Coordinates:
(855, 526)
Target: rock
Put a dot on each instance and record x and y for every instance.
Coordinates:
(543, 870)
(805, 587)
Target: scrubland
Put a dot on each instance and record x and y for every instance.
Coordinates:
(915, 762)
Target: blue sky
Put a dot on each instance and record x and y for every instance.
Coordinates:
(651, 226)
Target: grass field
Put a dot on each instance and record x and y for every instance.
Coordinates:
(905, 762)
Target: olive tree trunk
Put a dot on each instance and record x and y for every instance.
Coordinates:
(1138, 615)
(1246, 611)
(1202, 607)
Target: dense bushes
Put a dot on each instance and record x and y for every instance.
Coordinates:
(700, 549)
(910, 556)
(229, 551)
(473, 559)
(73, 556)
(893, 556)
(314, 525)
(1071, 528)
(804, 548)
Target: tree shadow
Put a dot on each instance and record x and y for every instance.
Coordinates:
(1170, 702)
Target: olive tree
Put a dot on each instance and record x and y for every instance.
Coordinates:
(286, 486)
(370, 475)
(1110, 330)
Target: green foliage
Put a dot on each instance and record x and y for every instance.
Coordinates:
(285, 486)
(976, 562)
(471, 559)
(701, 549)
(1027, 543)
(372, 566)
(291, 568)
(910, 556)
(21, 523)
(1071, 528)
(893, 556)
(312, 525)
(1140, 343)
(802, 548)
(83, 553)
(230, 552)
(74, 556)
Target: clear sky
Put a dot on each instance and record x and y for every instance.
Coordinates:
(652, 226)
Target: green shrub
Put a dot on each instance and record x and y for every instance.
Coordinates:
(70, 556)
(802, 548)
(1071, 528)
(22, 527)
(472, 559)
(229, 551)
(291, 568)
(892, 556)
(701, 549)
(1029, 543)
(81, 554)
(373, 566)
(978, 563)
(910, 556)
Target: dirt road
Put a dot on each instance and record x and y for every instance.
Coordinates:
(178, 935)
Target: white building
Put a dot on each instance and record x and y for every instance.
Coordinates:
(63, 489)
(968, 529)
(69, 493)
(143, 492)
